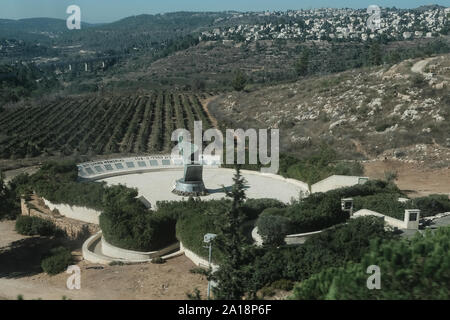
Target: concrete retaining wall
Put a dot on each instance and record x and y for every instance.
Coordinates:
(74, 212)
(117, 254)
(336, 182)
(130, 255)
(293, 239)
(396, 223)
(73, 229)
(196, 259)
(301, 237)
(89, 254)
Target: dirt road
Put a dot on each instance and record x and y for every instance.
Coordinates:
(420, 65)
(416, 179)
(171, 280)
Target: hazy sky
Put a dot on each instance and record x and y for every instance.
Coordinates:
(111, 10)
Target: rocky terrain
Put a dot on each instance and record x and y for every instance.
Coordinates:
(401, 111)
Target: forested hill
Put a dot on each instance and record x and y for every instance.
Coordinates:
(45, 30)
(142, 32)
(135, 31)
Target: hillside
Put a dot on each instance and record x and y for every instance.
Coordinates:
(401, 111)
(202, 50)
(211, 65)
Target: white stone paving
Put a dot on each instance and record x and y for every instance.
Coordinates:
(157, 185)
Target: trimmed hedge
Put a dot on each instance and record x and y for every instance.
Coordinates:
(273, 226)
(194, 224)
(384, 203)
(388, 204)
(58, 261)
(432, 205)
(128, 224)
(58, 183)
(323, 210)
(254, 207)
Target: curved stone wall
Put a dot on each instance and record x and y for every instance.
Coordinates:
(88, 250)
(110, 253)
(130, 255)
(96, 170)
(299, 238)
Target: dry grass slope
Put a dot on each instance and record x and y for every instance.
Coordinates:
(363, 113)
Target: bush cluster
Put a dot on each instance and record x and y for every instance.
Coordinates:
(334, 247)
(31, 226)
(273, 226)
(384, 203)
(195, 223)
(317, 167)
(411, 269)
(432, 205)
(58, 183)
(323, 210)
(128, 224)
(58, 261)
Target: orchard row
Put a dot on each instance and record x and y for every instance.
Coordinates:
(99, 125)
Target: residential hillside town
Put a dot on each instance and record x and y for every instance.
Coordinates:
(328, 23)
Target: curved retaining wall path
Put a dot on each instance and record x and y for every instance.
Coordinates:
(97, 250)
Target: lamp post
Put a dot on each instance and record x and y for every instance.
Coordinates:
(208, 238)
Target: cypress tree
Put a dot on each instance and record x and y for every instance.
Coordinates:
(231, 276)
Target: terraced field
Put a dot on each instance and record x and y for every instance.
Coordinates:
(136, 124)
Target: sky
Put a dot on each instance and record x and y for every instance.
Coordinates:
(101, 11)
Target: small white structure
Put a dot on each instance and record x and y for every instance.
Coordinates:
(347, 205)
(337, 181)
(145, 202)
(410, 222)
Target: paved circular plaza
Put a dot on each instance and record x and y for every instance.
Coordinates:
(157, 185)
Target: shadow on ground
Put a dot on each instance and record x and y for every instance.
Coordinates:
(23, 257)
(224, 189)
